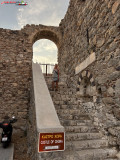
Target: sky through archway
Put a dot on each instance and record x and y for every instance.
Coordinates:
(45, 52)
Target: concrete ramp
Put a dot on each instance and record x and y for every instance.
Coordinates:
(6, 153)
(47, 120)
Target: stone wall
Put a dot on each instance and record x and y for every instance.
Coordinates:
(16, 54)
(32, 128)
(94, 26)
(16, 68)
(15, 73)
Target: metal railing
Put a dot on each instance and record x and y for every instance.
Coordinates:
(47, 72)
(47, 68)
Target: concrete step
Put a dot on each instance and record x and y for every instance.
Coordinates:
(6, 153)
(81, 129)
(86, 144)
(96, 154)
(82, 136)
(76, 122)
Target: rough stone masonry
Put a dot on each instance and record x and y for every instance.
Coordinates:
(94, 27)
(88, 27)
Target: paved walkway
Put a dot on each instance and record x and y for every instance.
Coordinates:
(7, 153)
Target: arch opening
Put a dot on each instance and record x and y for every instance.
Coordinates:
(45, 53)
(46, 34)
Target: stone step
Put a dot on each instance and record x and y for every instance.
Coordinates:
(64, 101)
(111, 159)
(73, 117)
(59, 101)
(81, 129)
(60, 89)
(59, 106)
(68, 107)
(82, 136)
(58, 92)
(75, 107)
(76, 122)
(97, 154)
(75, 112)
(86, 144)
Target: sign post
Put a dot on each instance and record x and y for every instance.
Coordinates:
(49, 142)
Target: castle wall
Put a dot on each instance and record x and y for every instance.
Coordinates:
(15, 73)
(94, 27)
(16, 53)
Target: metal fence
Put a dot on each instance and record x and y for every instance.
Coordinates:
(47, 68)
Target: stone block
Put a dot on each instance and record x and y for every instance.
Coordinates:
(114, 75)
(103, 88)
(83, 73)
(14, 84)
(117, 113)
(118, 155)
(115, 6)
(100, 42)
(117, 88)
(89, 60)
(13, 69)
(110, 91)
(108, 100)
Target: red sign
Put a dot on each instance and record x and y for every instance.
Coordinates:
(49, 142)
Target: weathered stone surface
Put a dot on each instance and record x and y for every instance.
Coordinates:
(114, 75)
(118, 155)
(100, 42)
(115, 6)
(117, 88)
(117, 113)
(110, 91)
(108, 100)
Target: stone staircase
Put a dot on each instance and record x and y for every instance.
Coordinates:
(83, 140)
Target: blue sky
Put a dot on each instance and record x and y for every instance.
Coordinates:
(46, 12)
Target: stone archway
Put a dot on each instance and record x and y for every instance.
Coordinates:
(37, 32)
(46, 34)
(32, 33)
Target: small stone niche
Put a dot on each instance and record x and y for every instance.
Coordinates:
(86, 90)
(86, 87)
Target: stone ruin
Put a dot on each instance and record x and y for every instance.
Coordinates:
(88, 41)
